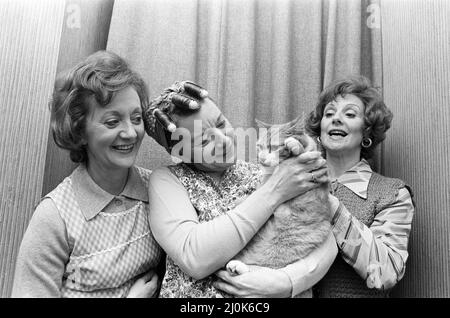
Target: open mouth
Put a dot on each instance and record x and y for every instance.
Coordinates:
(337, 133)
(124, 148)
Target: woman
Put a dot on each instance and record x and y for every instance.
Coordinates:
(373, 214)
(90, 236)
(206, 209)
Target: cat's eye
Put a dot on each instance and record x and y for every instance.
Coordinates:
(205, 142)
(221, 124)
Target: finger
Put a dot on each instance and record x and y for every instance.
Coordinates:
(309, 185)
(184, 102)
(195, 90)
(224, 275)
(148, 276)
(223, 286)
(164, 120)
(323, 179)
(318, 176)
(150, 289)
(309, 156)
(294, 146)
(153, 278)
(315, 165)
(318, 173)
(296, 149)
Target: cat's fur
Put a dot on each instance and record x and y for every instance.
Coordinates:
(297, 226)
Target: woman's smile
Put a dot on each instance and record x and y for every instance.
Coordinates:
(342, 125)
(126, 149)
(337, 134)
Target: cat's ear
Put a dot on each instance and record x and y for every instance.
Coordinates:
(298, 123)
(261, 124)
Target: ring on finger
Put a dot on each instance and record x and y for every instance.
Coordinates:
(313, 178)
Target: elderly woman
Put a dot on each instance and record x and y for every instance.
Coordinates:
(90, 236)
(373, 214)
(203, 212)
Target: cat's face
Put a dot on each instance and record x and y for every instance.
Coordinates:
(271, 149)
(271, 145)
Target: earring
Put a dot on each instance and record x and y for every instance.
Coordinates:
(366, 142)
(318, 140)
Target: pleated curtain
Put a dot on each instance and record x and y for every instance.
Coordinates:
(264, 59)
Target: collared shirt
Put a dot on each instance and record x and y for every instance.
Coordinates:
(46, 247)
(378, 253)
(93, 199)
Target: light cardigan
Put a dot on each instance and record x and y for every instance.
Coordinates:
(386, 238)
(200, 249)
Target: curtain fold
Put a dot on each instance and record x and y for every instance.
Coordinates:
(264, 59)
(29, 44)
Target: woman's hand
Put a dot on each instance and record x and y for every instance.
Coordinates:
(263, 282)
(297, 175)
(145, 286)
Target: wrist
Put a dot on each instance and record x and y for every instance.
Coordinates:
(269, 193)
(288, 285)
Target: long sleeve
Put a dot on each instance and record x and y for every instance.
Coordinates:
(305, 273)
(200, 248)
(378, 253)
(43, 253)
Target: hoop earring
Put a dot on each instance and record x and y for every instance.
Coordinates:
(318, 140)
(366, 142)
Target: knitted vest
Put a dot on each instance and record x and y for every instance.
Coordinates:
(342, 281)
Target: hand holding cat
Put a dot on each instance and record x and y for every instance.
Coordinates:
(264, 282)
(145, 286)
(293, 176)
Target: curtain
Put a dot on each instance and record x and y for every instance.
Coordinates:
(264, 59)
(29, 44)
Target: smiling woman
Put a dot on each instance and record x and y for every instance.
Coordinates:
(113, 136)
(373, 214)
(90, 236)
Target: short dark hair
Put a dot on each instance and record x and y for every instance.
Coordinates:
(377, 116)
(94, 81)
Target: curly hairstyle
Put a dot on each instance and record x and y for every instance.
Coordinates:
(92, 83)
(377, 116)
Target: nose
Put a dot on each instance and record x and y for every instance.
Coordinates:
(336, 120)
(128, 131)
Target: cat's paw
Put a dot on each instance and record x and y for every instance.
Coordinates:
(237, 267)
(294, 146)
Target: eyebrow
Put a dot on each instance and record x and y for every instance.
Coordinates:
(349, 104)
(219, 120)
(115, 112)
